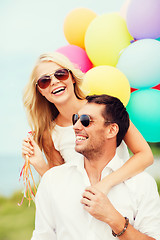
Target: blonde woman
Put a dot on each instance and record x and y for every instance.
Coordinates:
(51, 97)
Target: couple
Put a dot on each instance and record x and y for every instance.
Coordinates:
(66, 208)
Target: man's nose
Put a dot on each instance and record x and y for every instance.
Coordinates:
(78, 125)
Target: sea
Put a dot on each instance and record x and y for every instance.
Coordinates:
(11, 165)
(10, 181)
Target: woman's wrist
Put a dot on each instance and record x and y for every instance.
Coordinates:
(42, 169)
(109, 181)
(41, 166)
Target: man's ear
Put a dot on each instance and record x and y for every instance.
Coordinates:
(112, 130)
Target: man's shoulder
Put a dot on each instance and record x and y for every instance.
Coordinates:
(141, 183)
(58, 172)
(141, 179)
(53, 176)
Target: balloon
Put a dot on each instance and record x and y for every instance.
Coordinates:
(76, 24)
(123, 10)
(107, 80)
(133, 89)
(77, 56)
(140, 63)
(105, 37)
(157, 87)
(143, 18)
(143, 109)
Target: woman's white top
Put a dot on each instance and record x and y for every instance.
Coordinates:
(64, 141)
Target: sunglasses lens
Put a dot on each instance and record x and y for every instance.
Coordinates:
(62, 74)
(85, 120)
(44, 82)
(74, 118)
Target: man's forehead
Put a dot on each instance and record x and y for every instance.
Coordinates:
(91, 109)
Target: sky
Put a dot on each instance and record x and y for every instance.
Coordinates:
(29, 28)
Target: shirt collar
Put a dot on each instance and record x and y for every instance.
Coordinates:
(113, 165)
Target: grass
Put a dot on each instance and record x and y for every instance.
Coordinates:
(17, 223)
(158, 185)
(155, 148)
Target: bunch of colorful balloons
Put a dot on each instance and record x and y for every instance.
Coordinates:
(120, 55)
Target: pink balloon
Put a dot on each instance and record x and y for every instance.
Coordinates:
(76, 55)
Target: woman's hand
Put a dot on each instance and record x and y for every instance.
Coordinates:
(32, 150)
(104, 185)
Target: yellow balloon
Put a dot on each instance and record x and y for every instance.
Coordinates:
(107, 80)
(106, 36)
(76, 24)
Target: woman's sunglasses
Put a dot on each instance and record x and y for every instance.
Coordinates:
(84, 119)
(61, 74)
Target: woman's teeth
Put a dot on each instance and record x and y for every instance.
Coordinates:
(58, 90)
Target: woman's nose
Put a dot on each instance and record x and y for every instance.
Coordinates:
(54, 80)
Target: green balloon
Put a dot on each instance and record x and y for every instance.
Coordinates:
(144, 112)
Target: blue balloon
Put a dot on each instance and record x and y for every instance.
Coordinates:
(140, 62)
(144, 112)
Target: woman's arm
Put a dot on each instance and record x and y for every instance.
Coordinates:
(36, 159)
(31, 149)
(141, 159)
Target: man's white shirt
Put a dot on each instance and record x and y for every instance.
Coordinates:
(61, 216)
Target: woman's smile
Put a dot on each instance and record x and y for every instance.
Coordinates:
(59, 90)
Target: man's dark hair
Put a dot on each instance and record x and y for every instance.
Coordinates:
(114, 111)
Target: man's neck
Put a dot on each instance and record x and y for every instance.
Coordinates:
(95, 166)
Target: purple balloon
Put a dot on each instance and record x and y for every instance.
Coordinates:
(143, 19)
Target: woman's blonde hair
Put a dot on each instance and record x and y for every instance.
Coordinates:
(40, 111)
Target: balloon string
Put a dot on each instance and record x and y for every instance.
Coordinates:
(26, 173)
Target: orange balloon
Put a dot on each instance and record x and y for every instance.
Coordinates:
(76, 24)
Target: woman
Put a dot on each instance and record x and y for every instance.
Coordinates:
(51, 97)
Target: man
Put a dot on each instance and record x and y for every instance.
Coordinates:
(65, 211)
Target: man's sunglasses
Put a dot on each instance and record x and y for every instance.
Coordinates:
(84, 119)
(61, 74)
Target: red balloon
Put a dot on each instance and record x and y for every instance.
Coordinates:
(133, 89)
(157, 87)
